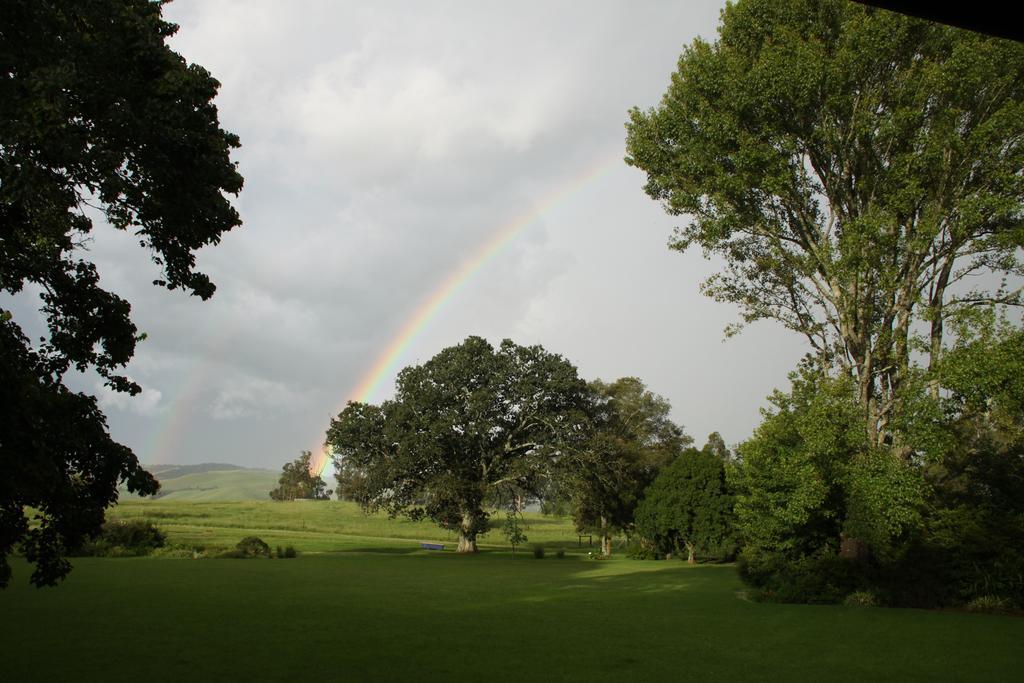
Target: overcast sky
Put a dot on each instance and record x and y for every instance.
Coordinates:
(383, 144)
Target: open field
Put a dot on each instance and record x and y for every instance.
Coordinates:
(210, 482)
(318, 525)
(373, 606)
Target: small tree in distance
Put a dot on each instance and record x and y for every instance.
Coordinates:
(513, 529)
(716, 447)
(298, 482)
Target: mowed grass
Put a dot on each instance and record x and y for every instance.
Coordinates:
(388, 611)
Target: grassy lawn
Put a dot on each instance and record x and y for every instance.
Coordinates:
(380, 609)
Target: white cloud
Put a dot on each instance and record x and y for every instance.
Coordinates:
(380, 119)
(383, 144)
(147, 403)
(253, 397)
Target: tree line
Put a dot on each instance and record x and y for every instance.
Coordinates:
(477, 428)
(859, 173)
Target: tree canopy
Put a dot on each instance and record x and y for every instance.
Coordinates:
(468, 423)
(859, 174)
(856, 170)
(97, 116)
(688, 507)
(631, 438)
(298, 482)
(716, 447)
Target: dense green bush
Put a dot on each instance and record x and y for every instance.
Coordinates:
(124, 539)
(825, 578)
(688, 510)
(286, 552)
(252, 546)
(642, 550)
(538, 552)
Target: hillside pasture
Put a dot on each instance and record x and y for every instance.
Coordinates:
(320, 526)
(210, 482)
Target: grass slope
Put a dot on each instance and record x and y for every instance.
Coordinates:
(378, 608)
(196, 483)
(172, 471)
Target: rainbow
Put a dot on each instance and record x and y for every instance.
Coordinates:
(163, 445)
(385, 366)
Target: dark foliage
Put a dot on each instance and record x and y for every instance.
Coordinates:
(252, 546)
(122, 539)
(95, 111)
(688, 508)
(825, 578)
(472, 424)
(631, 439)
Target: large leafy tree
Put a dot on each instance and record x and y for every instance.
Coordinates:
(465, 426)
(810, 479)
(297, 481)
(975, 517)
(97, 116)
(632, 437)
(942, 529)
(856, 170)
(688, 507)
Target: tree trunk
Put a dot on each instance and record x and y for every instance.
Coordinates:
(853, 549)
(691, 556)
(606, 538)
(467, 534)
(938, 298)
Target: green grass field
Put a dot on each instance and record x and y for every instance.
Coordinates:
(201, 483)
(321, 526)
(363, 602)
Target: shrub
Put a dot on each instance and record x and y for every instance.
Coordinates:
(289, 552)
(538, 552)
(560, 553)
(860, 599)
(990, 604)
(818, 579)
(252, 546)
(124, 539)
(179, 552)
(643, 551)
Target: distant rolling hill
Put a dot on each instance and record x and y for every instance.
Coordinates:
(211, 482)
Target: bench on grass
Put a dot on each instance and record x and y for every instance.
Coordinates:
(432, 546)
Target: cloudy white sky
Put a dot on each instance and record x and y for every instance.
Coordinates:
(383, 144)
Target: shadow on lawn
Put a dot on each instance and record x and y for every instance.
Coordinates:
(383, 550)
